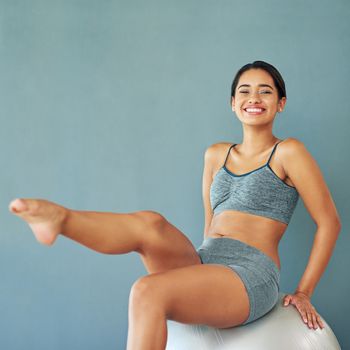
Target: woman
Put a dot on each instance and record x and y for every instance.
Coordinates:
(250, 191)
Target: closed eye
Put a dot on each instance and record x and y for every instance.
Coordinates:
(262, 92)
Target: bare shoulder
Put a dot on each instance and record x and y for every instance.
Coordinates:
(217, 147)
(290, 145)
(216, 152)
(292, 150)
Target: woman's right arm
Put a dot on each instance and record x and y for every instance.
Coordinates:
(209, 160)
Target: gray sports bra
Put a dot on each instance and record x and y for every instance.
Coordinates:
(259, 192)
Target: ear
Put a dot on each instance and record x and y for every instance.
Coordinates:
(281, 103)
(233, 104)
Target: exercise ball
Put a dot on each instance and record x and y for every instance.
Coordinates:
(281, 328)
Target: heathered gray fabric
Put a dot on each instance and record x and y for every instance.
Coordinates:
(257, 270)
(259, 192)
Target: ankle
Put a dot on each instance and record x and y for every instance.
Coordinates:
(66, 216)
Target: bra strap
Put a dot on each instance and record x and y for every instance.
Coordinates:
(228, 153)
(273, 150)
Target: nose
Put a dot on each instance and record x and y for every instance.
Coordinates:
(254, 98)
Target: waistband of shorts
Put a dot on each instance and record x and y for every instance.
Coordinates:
(210, 241)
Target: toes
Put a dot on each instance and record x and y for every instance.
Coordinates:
(17, 206)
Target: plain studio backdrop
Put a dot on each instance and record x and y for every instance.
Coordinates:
(109, 106)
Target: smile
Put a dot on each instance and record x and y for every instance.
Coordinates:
(254, 110)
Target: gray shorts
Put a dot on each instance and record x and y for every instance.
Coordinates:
(258, 271)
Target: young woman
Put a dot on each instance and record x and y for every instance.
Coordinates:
(250, 191)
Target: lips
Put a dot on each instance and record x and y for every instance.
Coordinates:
(254, 110)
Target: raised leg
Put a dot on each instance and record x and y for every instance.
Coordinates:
(161, 245)
(208, 294)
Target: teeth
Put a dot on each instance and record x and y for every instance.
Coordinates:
(254, 110)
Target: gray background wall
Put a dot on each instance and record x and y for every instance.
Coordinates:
(110, 105)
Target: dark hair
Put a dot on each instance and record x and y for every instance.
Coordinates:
(270, 69)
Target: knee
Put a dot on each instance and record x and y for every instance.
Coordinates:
(152, 219)
(142, 293)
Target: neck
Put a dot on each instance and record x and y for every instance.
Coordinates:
(257, 141)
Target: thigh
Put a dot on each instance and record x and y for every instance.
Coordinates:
(165, 247)
(208, 294)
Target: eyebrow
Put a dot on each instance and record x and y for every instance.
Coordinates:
(262, 85)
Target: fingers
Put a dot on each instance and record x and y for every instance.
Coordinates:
(287, 299)
(316, 320)
(311, 318)
(307, 311)
(303, 315)
(319, 321)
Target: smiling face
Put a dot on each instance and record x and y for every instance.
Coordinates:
(256, 97)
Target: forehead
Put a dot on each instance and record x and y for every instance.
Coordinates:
(255, 77)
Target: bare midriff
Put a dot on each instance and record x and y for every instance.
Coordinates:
(260, 232)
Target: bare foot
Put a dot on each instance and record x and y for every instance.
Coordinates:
(44, 218)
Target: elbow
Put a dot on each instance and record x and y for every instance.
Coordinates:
(338, 225)
(338, 222)
(333, 224)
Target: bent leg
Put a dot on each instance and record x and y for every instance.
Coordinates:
(161, 245)
(208, 294)
(109, 233)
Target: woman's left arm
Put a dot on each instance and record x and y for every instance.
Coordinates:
(306, 176)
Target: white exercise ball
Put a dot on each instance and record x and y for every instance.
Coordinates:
(280, 329)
